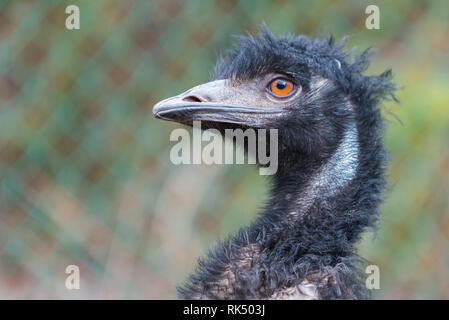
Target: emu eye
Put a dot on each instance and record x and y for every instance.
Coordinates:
(281, 87)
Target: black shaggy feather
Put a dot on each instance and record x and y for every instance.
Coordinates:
(305, 236)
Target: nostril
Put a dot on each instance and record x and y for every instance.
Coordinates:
(192, 99)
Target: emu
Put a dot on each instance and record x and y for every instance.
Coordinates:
(331, 174)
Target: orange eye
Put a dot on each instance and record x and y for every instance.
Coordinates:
(281, 87)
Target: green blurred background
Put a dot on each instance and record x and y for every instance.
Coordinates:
(85, 175)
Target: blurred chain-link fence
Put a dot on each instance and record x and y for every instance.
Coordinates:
(85, 176)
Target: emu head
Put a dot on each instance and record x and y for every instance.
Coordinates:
(306, 88)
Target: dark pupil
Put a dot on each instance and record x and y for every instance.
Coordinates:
(281, 84)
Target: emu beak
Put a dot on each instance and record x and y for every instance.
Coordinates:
(217, 101)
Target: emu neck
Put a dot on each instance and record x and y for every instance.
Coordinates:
(307, 199)
(302, 244)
